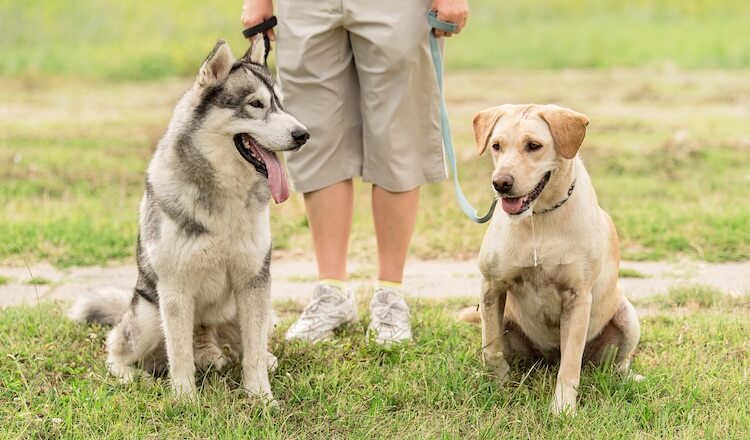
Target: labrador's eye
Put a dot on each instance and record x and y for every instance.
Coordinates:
(496, 146)
(256, 104)
(532, 146)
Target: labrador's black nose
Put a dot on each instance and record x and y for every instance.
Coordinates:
(503, 184)
(300, 136)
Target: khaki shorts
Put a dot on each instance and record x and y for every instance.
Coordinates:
(359, 75)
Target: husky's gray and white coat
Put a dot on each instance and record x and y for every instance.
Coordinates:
(204, 246)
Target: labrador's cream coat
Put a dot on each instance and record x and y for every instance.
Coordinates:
(568, 305)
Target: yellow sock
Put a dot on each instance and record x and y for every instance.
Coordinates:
(389, 284)
(333, 282)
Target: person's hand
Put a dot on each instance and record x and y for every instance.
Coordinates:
(255, 12)
(452, 11)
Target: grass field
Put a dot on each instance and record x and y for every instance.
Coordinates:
(668, 151)
(118, 40)
(53, 383)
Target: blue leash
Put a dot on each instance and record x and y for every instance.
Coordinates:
(445, 126)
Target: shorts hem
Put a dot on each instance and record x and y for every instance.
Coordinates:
(318, 184)
(404, 186)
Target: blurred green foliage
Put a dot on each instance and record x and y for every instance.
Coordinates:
(120, 40)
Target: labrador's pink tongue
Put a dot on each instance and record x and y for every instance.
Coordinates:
(276, 176)
(513, 205)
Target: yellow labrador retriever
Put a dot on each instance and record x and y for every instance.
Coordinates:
(550, 258)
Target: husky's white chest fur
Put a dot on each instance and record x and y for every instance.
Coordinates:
(224, 247)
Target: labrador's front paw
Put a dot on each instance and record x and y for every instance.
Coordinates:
(564, 401)
(498, 367)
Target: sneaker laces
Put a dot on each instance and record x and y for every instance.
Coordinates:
(327, 297)
(388, 313)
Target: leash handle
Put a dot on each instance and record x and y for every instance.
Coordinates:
(262, 27)
(445, 125)
(436, 23)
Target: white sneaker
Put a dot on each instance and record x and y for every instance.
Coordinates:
(330, 308)
(390, 317)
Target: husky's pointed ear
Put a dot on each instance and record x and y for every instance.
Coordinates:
(258, 51)
(484, 122)
(217, 65)
(568, 128)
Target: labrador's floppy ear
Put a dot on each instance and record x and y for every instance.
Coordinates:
(217, 65)
(259, 49)
(568, 128)
(484, 122)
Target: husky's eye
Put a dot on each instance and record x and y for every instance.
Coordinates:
(256, 104)
(496, 146)
(533, 146)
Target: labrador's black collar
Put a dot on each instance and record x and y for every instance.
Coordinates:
(561, 202)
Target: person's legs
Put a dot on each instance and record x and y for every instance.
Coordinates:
(401, 138)
(329, 211)
(394, 214)
(317, 73)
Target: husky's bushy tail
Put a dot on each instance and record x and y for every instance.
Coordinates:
(105, 306)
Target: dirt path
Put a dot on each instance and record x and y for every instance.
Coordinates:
(294, 279)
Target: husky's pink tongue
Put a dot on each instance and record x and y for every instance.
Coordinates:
(276, 175)
(513, 205)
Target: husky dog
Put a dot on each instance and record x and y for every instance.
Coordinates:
(204, 245)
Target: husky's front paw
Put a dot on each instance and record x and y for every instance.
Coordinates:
(125, 373)
(257, 390)
(264, 398)
(271, 362)
(183, 383)
(184, 389)
(211, 357)
(255, 382)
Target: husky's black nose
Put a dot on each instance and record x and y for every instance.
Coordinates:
(300, 136)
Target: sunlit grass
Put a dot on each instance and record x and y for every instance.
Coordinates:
(54, 383)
